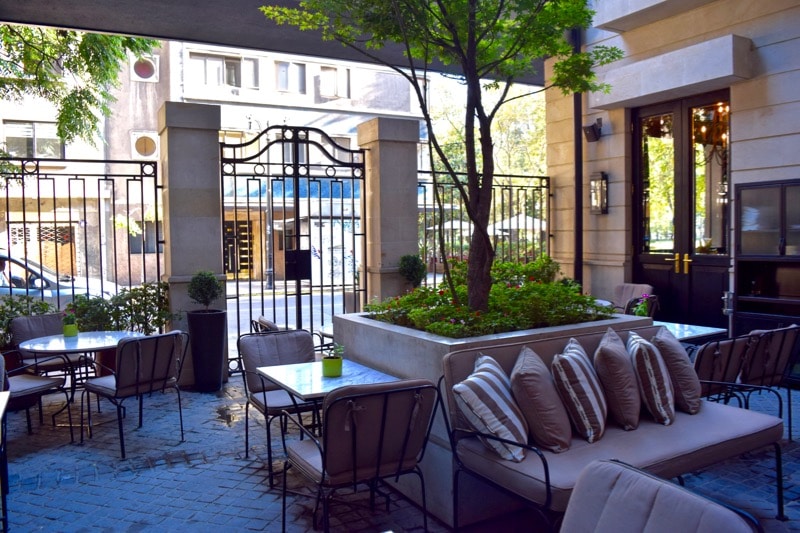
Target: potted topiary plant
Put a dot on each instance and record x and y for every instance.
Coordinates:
(413, 269)
(207, 330)
(332, 362)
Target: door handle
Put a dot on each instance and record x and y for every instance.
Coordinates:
(686, 262)
(677, 260)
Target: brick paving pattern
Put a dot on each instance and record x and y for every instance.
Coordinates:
(207, 484)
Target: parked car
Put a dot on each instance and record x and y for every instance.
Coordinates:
(25, 277)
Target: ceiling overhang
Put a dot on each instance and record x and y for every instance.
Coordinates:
(236, 23)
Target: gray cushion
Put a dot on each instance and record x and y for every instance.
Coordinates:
(615, 370)
(537, 398)
(611, 497)
(684, 379)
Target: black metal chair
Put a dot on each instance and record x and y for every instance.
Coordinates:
(770, 360)
(143, 366)
(27, 387)
(718, 365)
(24, 328)
(268, 349)
(369, 433)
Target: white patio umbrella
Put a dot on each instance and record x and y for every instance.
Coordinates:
(519, 222)
(463, 226)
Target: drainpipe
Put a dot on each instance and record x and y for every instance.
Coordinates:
(577, 116)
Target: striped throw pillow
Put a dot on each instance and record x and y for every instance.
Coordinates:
(485, 400)
(655, 384)
(580, 391)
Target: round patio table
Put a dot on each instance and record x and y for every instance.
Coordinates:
(101, 343)
(83, 342)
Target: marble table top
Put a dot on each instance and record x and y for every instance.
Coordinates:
(306, 382)
(688, 332)
(84, 341)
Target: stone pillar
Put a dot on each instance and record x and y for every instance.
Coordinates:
(189, 138)
(391, 201)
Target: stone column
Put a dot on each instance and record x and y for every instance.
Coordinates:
(391, 201)
(189, 138)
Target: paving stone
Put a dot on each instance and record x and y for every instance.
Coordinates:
(206, 484)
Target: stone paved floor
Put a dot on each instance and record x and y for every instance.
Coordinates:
(207, 484)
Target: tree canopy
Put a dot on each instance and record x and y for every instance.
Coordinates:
(490, 43)
(75, 71)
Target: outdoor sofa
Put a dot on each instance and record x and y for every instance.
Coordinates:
(545, 478)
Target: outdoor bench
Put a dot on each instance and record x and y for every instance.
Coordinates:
(544, 478)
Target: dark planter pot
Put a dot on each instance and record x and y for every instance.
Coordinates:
(207, 330)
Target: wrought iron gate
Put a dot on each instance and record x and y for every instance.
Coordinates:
(293, 231)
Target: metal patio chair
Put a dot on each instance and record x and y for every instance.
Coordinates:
(268, 349)
(718, 364)
(144, 365)
(25, 328)
(27, 388)
(773, 354)
(610, 496)
(369, 433)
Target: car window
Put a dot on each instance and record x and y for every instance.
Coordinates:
(20, 276)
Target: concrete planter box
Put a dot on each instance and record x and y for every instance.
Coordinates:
(409, 353)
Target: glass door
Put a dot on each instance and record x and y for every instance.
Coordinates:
(681, 211)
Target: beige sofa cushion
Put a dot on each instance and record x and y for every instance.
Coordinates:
(580, 391)
(684, 379)
(537, 398)
(717, 432)
(615, 371)
(610, 497)
(485, 400)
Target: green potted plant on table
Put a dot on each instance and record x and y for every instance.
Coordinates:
(70, 323)
(207, 330)
(332, 362)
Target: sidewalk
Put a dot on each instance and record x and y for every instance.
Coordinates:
(206, 484)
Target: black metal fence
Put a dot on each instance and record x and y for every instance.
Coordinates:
(79, 227)
(518, 223)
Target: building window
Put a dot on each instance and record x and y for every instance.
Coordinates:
(290, 77)
(147, 241)
(144, 145)
(33, 139)
(217, 71)
(144, 69)
(334, 82)
(250, 73)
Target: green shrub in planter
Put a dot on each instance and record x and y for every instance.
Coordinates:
(94, 313)
(413, 269)
(144, 308)
(14, 306)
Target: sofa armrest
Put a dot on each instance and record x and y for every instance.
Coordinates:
(459, 434)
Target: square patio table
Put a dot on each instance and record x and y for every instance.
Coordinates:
(691, 334)
(305, 381)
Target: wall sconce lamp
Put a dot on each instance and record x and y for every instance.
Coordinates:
(592, 132)
(598, 193)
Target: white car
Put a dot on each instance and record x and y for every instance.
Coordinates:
(20, 277)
